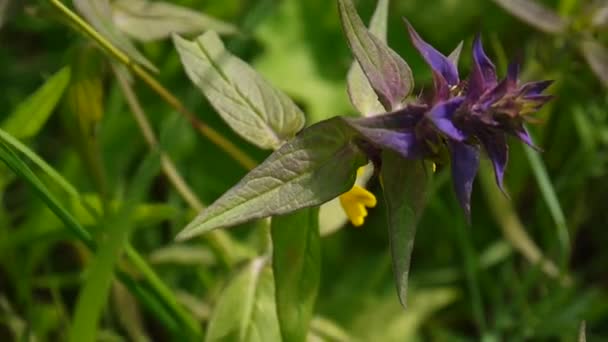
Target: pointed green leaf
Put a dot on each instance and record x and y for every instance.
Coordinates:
(29, 117)
(535, 14)
(246, 311)
(99, 14)
(360, 92)
(257, 111)
(405, 185)
(388, 74)
(296, 264)
(597, 58)
(147, 21)
(316, 166)
(455, 55)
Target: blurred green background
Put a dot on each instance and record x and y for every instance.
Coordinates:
(531, 267)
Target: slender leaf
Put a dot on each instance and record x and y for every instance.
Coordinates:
(318, 165)
(388, 74)
(535, 14)
(405, 186)
(94, 294)
(261, 114)
(99, 15)
(246, 311)
(360, 91)
(147, 21)
(31, 115)
(551, 199)
(597, 58)
(296, 264)
(12, 160)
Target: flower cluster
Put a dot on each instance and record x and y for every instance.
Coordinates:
(461, 115)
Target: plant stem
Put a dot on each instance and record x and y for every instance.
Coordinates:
(207, 131)
(219, 240)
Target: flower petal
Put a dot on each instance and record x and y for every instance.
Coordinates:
(487, 68)
(435, 59)
(524, 136)
(512, 75)
(465, 163)
(534, 88)
(394, 130)
(441, 115)
(498, 151)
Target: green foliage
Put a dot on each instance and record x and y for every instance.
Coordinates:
(93, 196)
(404, 184)
(296, 264)
(298, 175)
(258, 112)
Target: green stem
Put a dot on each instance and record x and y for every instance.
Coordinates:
(214, 136)
(218, 239)
(162, 291)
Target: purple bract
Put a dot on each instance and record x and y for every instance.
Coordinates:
(461, 116)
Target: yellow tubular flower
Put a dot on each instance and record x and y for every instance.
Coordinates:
(354, 203)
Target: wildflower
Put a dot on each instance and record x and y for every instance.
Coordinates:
(356, 201)
(461, 116)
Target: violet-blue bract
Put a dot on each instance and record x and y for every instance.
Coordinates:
(460, 116)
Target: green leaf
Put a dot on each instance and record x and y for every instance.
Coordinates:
(92, 299)
(318, 165)
(388, 74)
(361, 94)
(31, 115)
(296, 264)
(14, 162)
(148, 21)
(550, 197)
(405, 186)
(99, 15)
(260, 113)
(535, 14)
(246, 311)
(597, 58)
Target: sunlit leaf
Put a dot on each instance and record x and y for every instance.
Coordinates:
(31, 115)
(600, 15)
(316, 166)
(362, 95)
(405, 185)
(245, 310)
(597, 58)
(388, 74)
(296, 264)
(99, 14)
(153, 20)
(260, 113)
(535, 14)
